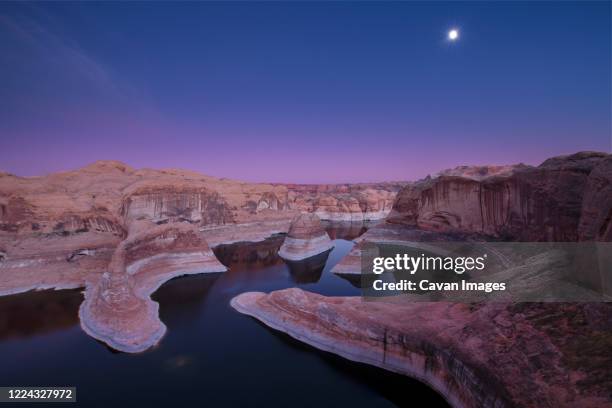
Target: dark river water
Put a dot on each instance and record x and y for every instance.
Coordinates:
(211, 355)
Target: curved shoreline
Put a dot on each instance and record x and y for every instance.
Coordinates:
(489, 355)
(244, 304)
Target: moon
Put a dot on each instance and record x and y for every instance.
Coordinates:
(453, 34)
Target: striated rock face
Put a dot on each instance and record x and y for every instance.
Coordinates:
(197, 205)
(98, 197)
(566, 198)
(345, 202)
(306, 226)
(120, 232)
(118, 309)
(54, 261)
(306, 238)
(475, 355)
(596, 211)
(58, 229)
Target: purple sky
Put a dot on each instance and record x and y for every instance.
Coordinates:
(302, 92)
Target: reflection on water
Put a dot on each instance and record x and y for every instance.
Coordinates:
(210, 355)
(308, 270)
(33, 313)
(183, 297)
(251, 256)
(355, 279)
(347, 230)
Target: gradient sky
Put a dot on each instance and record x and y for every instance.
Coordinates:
(302, 92)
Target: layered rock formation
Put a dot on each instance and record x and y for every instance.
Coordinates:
(118, 309)
(344, 202)
(475, 355)
(46, 220)
(484, 354)
(566, 198)
(306, 238)
(97, 196)
(121, 232)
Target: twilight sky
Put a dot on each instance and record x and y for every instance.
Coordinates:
(302, 92)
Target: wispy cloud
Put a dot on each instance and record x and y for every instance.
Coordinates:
(46, 48)
(38, 54)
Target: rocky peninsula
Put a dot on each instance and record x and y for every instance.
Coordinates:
(475, 355)
(306, 238)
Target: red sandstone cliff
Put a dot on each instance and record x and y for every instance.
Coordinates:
(101, 196)
(566, 198)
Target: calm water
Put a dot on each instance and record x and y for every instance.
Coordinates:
(211, 355)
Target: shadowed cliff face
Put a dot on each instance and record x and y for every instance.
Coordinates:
(164, 203)
(564, 199)
(252, 257)
(596, 212)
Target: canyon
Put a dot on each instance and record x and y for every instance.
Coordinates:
(59, 231)
(120, 233)
(484, 354)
